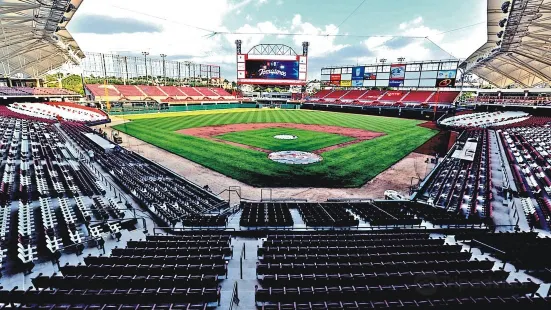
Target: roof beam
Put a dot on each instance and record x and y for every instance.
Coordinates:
(525, 66)
(489, 66)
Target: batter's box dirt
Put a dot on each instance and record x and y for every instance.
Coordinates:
(210, 132)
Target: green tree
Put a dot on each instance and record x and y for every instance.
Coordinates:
(73, 83)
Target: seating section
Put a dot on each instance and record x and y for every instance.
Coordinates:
(528, 151)
(152, 91)
(485, 119)
(61, 110)
(326, 214)
(515, 99)
(419, 96)
(167, 93)
(171, 91)
(42, 183)
(380, 269)
(459, 185)
(265, 214)
(172, 199)
(187, 281)
(521, 249)
(191, 91)
(415, 99)
(22, 91)
(129, 91)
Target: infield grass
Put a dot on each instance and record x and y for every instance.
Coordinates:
(306, 141)
(350, 166)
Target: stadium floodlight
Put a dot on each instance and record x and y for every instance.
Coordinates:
(502, 22)
(145, 62)
(383, 60)
(500, 34)
(163, 56)
(505, 6)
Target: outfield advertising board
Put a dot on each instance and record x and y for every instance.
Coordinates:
(397, 72)
(445, 83)
(429, 74)
(346, 83)
(358, 73)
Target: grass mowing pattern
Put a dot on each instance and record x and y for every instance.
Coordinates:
(351, 166)
(307, 140)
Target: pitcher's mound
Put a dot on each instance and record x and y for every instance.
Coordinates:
(295, 157)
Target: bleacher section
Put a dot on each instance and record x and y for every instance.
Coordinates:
(152, 91)
(21, 91)
(461, 184)
(158, 93)
(384, 98)
(513, 99)
(484, 119)
(60, 110)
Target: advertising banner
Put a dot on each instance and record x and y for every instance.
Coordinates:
(396, 83)
(357, 83)
(346, 76)
(358, 73)
(447, 74)
(346, 83)
(397, 71)
(272, 70)
(335, 77)
(445, 83)
(370, 76)
(335, 83)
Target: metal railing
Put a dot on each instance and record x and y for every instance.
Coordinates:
(235, 296)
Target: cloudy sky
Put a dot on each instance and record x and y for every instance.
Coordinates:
(184, 29)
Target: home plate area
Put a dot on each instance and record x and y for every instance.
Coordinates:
(295, 157)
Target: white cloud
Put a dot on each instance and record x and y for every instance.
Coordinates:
(279, 2)
(418, 47)
(248, 18)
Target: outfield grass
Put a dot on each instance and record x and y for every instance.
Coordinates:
(351, 166)
(306, 141)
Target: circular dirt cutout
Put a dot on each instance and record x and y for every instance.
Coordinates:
(285, 137)
(295, 157)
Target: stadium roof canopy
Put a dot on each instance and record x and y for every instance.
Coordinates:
(517, 51)
(34, 38)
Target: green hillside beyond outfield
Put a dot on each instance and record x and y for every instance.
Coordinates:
(349, 166)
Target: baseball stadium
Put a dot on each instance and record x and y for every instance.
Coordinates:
(283, 177)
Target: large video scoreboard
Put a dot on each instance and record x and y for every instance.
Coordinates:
(421, 74)
(271, 69)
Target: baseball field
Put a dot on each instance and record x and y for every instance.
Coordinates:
(237, 143)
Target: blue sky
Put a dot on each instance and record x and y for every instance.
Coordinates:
(182, 29)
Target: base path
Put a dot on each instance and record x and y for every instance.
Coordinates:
(210, 132)
(398, 177)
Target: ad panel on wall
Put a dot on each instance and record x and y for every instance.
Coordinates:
(358, 73)
(445, 83)
(370, 76)
(396, 83)
(447, 74)
(397, 71)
